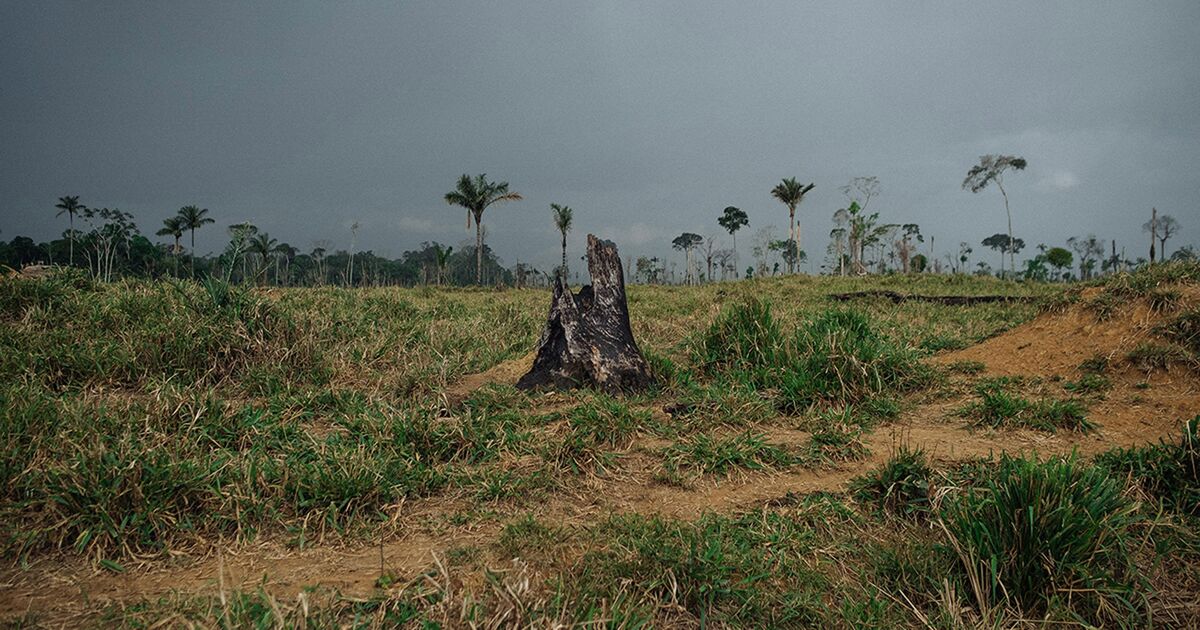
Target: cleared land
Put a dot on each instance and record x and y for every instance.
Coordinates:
(182, 454)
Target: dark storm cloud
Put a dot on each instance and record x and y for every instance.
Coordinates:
(648, 118)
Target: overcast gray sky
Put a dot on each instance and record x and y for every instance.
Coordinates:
(647, 117)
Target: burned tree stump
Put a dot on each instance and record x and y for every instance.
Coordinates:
(587, 340)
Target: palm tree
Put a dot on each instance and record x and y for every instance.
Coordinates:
(441, 257)
(193, 217)
(476, 195)
(71, 206)
(173, 227)
(262, 246)
(791, 192)
(562, 220)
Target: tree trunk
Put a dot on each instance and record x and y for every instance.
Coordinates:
(564, 256)
(587, 340)
(478, 251)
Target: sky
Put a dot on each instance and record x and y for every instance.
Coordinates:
(647, 118)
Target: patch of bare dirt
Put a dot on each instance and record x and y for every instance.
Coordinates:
(505, 373)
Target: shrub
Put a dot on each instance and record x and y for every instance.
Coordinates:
(1035, 534)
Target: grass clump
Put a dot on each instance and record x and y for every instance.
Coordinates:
(998, 407)
(743, 572)
(1088, 383)
(1168, 471)
(704, 454)
(1036, 535)
(1184, 330)
(837, 357)
(1153, 356)
(901, 486)
(594, 429)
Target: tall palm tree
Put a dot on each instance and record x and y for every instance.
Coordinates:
(262, 246)
(173, 227)
(791, 192)
(441, 257)
(476, 195)
(71, 206)
(194, 217)
(563, 216)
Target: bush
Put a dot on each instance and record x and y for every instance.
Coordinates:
(1039, 534)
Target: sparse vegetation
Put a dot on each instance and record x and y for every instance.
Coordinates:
(997, 406)
(307, 417)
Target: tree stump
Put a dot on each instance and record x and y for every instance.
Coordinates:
(587, 340)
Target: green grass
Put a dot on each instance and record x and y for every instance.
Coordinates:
(997, 406)
(1168, 472)
(1042, 535)
(704, 454)
(838, 357)
(142, 419)
(902, 486)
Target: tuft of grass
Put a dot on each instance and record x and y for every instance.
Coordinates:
(704, 454)
(1039, 534)
(1149, 278)
(1152, 356)
(1095, 364)
(967, 367)
(1184, 329)
(1168, 471)
(1105, 304)
(901, 486)
(837, 357)
(998, 407)
(1162, 300)
(596, 428)
(1088, 383)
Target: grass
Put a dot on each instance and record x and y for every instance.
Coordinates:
(1169, 472)
(902, 486)
(1069, 547)
(838, 357)
(704, 454)
(141, 421)
(998, 406)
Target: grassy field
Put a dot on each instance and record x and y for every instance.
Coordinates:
(776, 475)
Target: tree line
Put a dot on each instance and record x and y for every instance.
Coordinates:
(110, 244)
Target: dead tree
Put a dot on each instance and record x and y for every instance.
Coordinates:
(587, 340)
